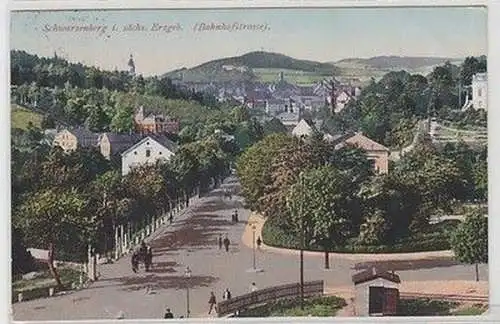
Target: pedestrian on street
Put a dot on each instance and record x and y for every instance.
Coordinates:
(226, 295)
(148, 260)
(168, 314)
(226, 243)
(135, 262)
(212, 302)
(253, 287)
(220, 241)
(235, 216)
(171, 218)
(259, 242)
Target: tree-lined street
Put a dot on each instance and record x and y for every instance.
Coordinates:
(192, 241)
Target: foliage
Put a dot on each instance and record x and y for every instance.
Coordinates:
(316, 306)
(21, 117)
(274, 125)
(59, 217)
(254, 167)
(22, 261)
(424, 307)
(318, 205)
(279, 234)
(470, 240)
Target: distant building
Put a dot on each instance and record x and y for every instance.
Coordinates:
(341, 100)
(303, 129)
(480, 91)
(155, 123)
(376, 153)
(71, 139)
(149, 150)
(111, 144)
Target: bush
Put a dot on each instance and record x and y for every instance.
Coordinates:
(317, 306)
(424, 307)
(437, 238)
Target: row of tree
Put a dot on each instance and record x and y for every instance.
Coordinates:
(333, 198)
(67, 201)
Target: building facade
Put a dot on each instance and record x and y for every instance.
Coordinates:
(155, 123)
(480, 91)
(70, 140)
(149, 150)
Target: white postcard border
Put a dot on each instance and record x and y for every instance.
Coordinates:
(493, 129)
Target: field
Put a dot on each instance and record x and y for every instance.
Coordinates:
(21, 117)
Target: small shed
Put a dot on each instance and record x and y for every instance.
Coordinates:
(376, 292)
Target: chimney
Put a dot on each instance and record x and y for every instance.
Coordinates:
(282, 77)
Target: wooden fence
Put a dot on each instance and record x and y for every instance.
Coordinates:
(262, 296)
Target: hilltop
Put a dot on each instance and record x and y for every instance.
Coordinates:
(252, 66)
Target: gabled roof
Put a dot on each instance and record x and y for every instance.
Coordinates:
(120, 142)
(365, 143)
(84, 136)
(160, 139)
(372, 274)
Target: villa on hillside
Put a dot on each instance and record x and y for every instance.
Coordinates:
(149, 150)
(155, 123)
(71, 139)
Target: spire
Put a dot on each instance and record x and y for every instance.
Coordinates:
(131, 65)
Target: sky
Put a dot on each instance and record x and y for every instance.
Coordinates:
(319, 34)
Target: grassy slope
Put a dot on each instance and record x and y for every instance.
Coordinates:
(21, 117)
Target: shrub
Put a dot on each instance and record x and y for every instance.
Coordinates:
(436, 239)
(424, 307)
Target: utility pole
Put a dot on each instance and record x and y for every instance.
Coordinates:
(301, 243)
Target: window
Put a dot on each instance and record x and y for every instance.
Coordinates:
(148, 153)
(159, 153)
(147, 143)
(479, 92)
(135, 152)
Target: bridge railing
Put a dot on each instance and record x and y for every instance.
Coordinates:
(262, 296)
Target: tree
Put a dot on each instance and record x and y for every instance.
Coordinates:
(470, 240)
(22, 261)
(317, 203)
(254, 167)
(57, 219)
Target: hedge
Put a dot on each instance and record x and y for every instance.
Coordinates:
(316, 306)
(273, 234)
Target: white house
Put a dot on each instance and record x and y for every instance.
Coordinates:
(480, 91)
(376, 292)
(149, 150)
(303, 129)
(341, 101)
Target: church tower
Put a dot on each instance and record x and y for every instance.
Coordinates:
(131, 65)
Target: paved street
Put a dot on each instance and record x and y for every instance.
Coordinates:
(192, 241)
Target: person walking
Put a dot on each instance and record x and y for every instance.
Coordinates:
(212, 302)
(171, 218)
(253, 287)
(168, 314)
(220, 241)
(135, 262)
(148, 259)
(226, 243)
(235, 216)
(226, 295)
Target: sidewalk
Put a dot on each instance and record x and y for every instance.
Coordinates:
(258, 221)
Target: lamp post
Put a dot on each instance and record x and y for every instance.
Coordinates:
(301, 244)
(187, 274)
(254, 268)
(253, 246)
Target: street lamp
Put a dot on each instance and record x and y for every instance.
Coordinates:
(187, 274)
(253, 246)
(254, 268)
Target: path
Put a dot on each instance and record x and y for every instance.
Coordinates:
(192, 241)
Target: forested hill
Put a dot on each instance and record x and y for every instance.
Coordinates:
(253, 60)
(52, 72)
